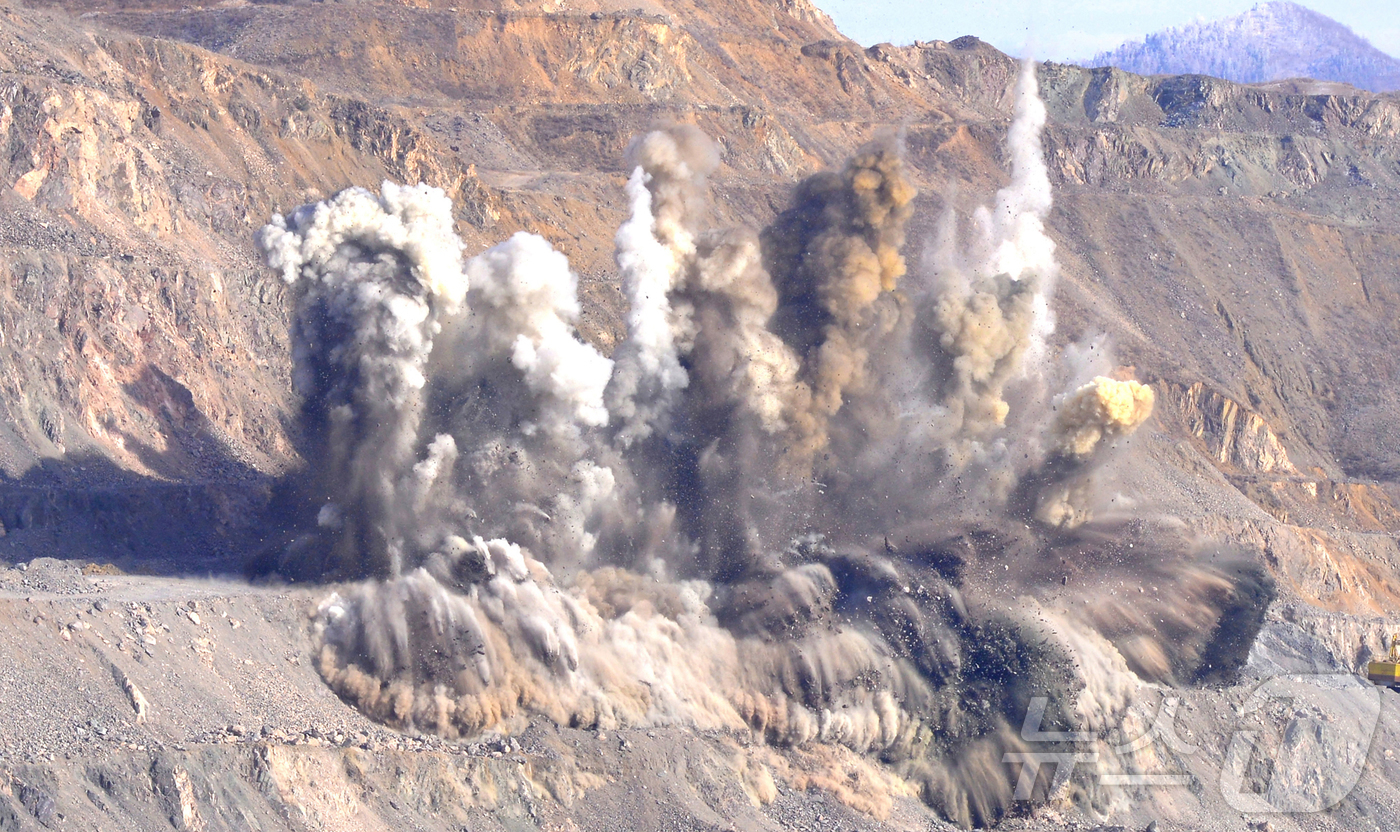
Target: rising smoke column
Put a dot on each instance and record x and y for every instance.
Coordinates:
(655, 250)
(395, 427)
(371, 277)
(990, 302)
(770, 337)
(522, 399)
(836, 263)
(761, 515)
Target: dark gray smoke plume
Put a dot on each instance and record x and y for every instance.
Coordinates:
(372, 277)
(810, 496)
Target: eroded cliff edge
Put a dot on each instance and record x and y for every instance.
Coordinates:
(1237, 242)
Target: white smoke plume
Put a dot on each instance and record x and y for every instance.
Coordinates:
(648, 368)
(991, 312)
(760, 515)
(655, 248)
(533, 300)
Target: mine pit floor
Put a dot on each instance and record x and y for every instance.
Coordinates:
(141, 702)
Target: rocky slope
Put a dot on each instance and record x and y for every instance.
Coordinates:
(1273, 250)
(1269, 42)
(1238, 243)
(159, 703)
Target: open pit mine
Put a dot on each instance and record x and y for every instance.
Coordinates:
(537, 417)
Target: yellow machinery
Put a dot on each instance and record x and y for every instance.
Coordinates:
(1387, 672)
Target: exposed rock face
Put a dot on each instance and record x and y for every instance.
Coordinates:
(1235, 437)
(1237, 243)
(1254, 218)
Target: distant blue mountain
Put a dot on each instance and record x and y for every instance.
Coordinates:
(1271, 41)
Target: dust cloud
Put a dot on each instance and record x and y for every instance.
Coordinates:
(812, 496)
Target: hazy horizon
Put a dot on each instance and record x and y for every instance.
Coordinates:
(1074, 29)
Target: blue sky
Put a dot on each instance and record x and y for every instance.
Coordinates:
(1072, 29)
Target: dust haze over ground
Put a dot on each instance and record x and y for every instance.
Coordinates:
(815, 454)
(1233, 240)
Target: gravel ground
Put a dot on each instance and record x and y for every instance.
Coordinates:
(130, 702)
